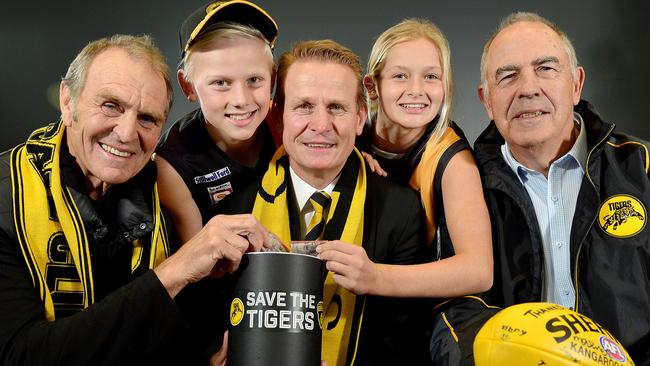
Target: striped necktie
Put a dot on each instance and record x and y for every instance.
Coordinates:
(319, 201)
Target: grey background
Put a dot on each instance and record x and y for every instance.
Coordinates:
(39, 40)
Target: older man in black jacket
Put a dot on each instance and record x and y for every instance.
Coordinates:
(81, 227)
(568, 196)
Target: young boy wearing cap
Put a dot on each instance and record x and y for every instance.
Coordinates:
(213, 151)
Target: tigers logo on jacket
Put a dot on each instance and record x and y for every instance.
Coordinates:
(622, 216)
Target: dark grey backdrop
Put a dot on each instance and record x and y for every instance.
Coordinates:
(38, 41)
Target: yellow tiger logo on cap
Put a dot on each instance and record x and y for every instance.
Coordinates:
(236, 311)
(622, 216)
(213, 6)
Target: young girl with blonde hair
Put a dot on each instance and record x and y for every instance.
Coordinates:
(411, 135)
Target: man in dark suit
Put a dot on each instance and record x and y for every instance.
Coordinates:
(317, 188)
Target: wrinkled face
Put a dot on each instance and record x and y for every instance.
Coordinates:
(113, 126)
(232, 81)
(410, 84)
(530, 88)
(321, 118)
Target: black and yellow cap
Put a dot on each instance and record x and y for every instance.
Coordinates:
(237, 11)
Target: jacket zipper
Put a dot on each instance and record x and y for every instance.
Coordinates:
(595, 216)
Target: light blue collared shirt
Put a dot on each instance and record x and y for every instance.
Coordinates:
(554, 200)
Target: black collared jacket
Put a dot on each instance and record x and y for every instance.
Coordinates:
(610, 238)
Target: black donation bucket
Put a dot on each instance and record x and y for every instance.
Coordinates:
(275, 310)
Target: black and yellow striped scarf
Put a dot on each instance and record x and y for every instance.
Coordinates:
(50, 228)
(342, 316)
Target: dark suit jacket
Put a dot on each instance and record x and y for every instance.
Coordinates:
(394, 329)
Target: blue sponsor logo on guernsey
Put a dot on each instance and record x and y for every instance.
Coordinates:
(211, 177)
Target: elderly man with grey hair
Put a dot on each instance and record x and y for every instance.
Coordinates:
(86, 271)
(568, 195)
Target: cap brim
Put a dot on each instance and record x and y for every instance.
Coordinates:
(237, 11)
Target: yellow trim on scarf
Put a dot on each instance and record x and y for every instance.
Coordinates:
(274, 215)
(160, 246)
(425, 173)
(36, 178)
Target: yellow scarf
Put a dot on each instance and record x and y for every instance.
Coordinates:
(424, 174)
(51, 231)
(344, 222)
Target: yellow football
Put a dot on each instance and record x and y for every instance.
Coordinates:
(544, 334)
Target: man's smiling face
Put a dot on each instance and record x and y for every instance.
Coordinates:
(531, 88)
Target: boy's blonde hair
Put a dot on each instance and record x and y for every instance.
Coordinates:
(411, 30)
(223, 30)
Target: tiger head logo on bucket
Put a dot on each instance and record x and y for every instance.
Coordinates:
(236, 311)
(622, 216)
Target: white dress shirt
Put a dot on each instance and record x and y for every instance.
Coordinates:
(303, 191)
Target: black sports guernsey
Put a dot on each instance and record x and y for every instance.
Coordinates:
(401, 169)
(208, 172)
